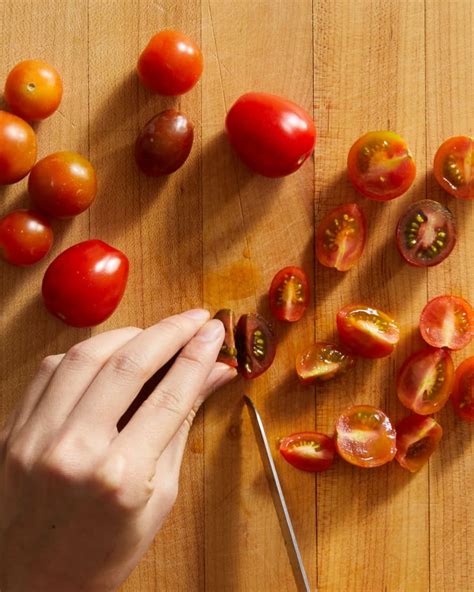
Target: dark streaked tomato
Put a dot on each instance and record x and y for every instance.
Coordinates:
(228, 353)
(322, 361)
(417, 438)
(17, 148)
(463, 391)
(308, 451)
(256, 345)
(289, 294)
(447, 321)
(25, 237)
(454, 166)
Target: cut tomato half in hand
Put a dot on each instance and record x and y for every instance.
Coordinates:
(308, 451)
(228, 353)
(289, 294)
(447, 321)
(256, 345)
(463, 391)
(417, 438)
(322, 361)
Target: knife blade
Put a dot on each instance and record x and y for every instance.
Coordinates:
(279, 501)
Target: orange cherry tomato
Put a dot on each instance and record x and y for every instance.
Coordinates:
(447, 321)
(25, 237)
(463, 391)
(454, 166)
(17, 148)
(308, 451)
(322, 361)
(417, 438)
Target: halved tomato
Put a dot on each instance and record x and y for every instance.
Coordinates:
(381, 166)
(308, 451)
(454, 166)
(417, 438)
(367, 331)
(426, 380)
(365, 437)
(463, 391)
(256, 345)
(228, 353)
(426, 233)
(322, 361)
(289, 294)
(340, 238)
(447, 321)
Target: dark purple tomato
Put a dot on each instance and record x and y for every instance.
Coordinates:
(256, 345)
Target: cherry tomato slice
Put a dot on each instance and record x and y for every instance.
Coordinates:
(85, 283)
(272, 135)
(289, 294)
(365, 437)
(417, 438)
(340, 237)
(256, 345)
(228, 353)
(308, 451)
(25, 237)
(463, 391)
(447, 321)
(454, 166)
(426, 233)
(381, 166)
(17, 148)
(426, 380)
(322, 361)
(367, 331)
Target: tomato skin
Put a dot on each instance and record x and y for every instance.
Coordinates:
(256, 345)
(17, 148)
(453, 160)
(308, 451)
(341, 236)
(289, 294)
(171, 63)
(417, 438)
(228, 353)
(25, 237)
(272, 135)
(463, 391)
(85, 283)
(33, 90)
(426, 380)
(447, 321)
(321, 362)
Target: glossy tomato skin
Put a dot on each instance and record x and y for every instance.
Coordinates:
(85, 283)
(289, 294)
(25, 237)
(341, 236)
(447, 321)
(380, 165)
(164, 143)
(63, 184)
(454, 166)
(256, 345)
(417, 438)
(33, 90)
(228, 353)
(272, 135)
(322, 361)
(366, 331)
(171, 63)
(426, 380)
(308, 451)
(463, 391)
(17, 148)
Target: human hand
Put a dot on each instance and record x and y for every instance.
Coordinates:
(80, 502)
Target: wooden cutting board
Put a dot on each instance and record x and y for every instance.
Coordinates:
(213, 234)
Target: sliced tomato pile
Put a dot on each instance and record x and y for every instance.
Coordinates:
(322, 361)
(447, 321)
(308, 451)
(289, 294)
(417, 438)
(454, 166)
(463, 391)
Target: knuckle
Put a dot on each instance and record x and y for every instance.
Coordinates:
(49, 364)
(172, 325)
(191, 362)
(17, 454)
(83, 354)
(129, 365)
(111, 483)
(168, 399)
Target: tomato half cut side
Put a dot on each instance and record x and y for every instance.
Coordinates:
(463, 391)
(256, 345)
(308, 451)
(417, 438)
(341, 236)
(454, 166)
(447, 321)
(228, 353)
(366, 331)
(426, 233)
(322, 361)
(381, 166)
(365, 437)
(289, 294)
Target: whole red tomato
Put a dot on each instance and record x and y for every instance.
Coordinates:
(25, 237)
(17, 148)
(272, 135)
(84, 284)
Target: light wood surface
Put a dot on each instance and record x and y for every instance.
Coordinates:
(213, 234)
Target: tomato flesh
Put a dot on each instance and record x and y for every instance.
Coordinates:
(454, 166)
(341, 236)
(322, 361)
(365, 437)
(256, 345)
(228, 353)
(25, 237)
(417, 438)
(463, 391)
(17, 148)
(308, 451)
(289, 294)
(447, 321)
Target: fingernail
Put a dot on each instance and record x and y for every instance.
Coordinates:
(197, 314)
(211, 331)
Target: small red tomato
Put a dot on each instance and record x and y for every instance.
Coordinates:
(17, 148)
(463, 391)
(25, 237)
(447, 321)
(308, 451)
(367, 331)
(289, 294)
(417, 438)
(33, 90)
(365, 437)
(85, 283)
(340, 237)
(381, 166)
(426, 380)
(454, 166)
(228, 353)
(426, 233)
(256, 345)
(272, 135)
(170, 64)
(322, 361)
(63, 184)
